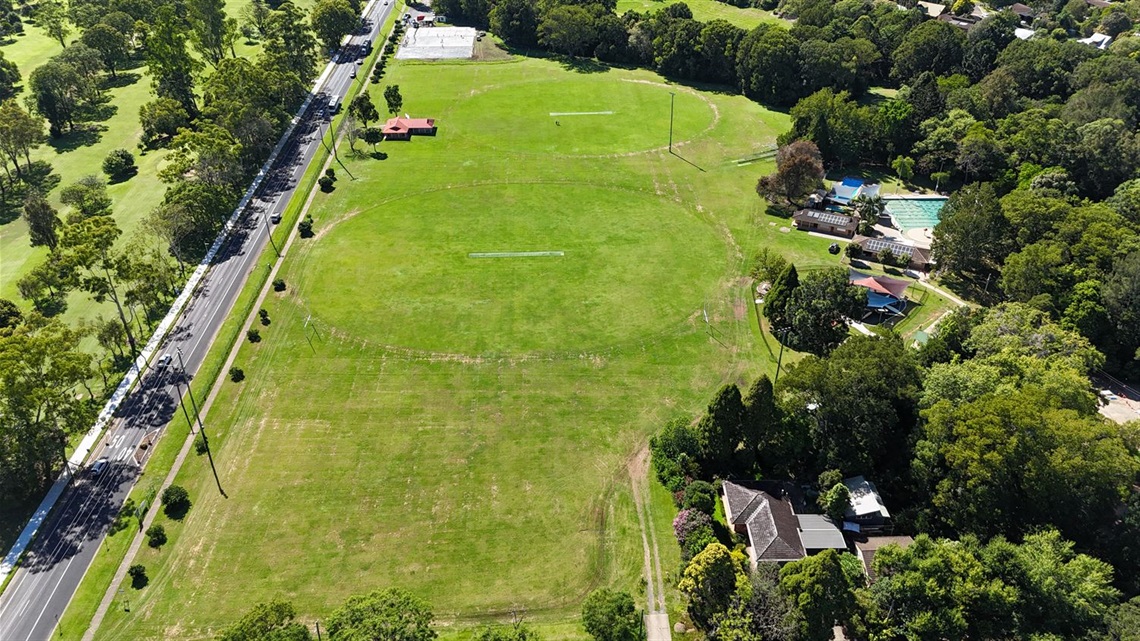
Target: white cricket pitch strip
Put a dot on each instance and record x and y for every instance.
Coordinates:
(514, 254)
(581, 113)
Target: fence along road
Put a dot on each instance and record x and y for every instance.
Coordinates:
(61, 539)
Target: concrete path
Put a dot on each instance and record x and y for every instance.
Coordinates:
(656, 615)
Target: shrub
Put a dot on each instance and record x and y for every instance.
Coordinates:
(675, 452)
(237, 374)
(175, 501)
(119, 164)
(694, 532)
(326, 183)
(137, 572)
(305, 227)
(155, 536)
(200, 445)
(331, 174)
(700, 495)
(264, 315)
(278, 284)
(253, 335)
(123, 517)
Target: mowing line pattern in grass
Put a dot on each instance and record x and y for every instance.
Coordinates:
(463, 428)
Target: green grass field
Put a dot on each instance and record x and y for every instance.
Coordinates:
(706, 10)
(461, 426)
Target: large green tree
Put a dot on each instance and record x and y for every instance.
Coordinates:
(383, 615)
(972, 237)
(42, 220)
(332, 20)
(609, 615)
(709, 581)
(272, 621)
(172, 67)
(820, 308)
(42, 371)
(1007, 463)
(823, 592)
(289, 44)
(719, 431)
(112, 45)
(859, 404)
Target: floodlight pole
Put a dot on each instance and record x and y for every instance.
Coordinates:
(672, 96)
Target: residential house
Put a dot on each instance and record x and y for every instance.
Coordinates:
(827, 222)
(1098, 40)
(865, 550)
(764, 511)
(1024, 12)
(867, 509)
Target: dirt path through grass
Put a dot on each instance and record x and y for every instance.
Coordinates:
(656, 616)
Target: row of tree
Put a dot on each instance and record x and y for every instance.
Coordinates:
(218, 130)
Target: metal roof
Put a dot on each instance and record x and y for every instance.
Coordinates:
(818, 532)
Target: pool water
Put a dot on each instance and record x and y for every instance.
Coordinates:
(915, 213)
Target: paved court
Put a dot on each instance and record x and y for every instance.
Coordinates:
(436, 43)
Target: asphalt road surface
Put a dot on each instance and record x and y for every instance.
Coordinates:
(55, 563)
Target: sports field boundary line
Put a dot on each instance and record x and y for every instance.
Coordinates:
(540, 254)
(582, 113)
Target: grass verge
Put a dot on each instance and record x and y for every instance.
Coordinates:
(98, 578)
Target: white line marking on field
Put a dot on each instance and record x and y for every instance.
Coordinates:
(513, 254)
(581, 113)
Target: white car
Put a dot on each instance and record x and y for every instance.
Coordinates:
(1109, 395)
(162, 361)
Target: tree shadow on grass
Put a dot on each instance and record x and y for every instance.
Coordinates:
(81, 136)
(120, 79)
(39, 176)
(177, 511)
(582, 65)
(139, 581)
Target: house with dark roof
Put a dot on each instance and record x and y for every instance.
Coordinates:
(827, 222)
(916, 257)
(866, 549)
(1024, 12)
(866, 506)
(764, 512)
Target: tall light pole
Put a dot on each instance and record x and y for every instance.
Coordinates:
(672, 96)
(190, 392)
(269, 231)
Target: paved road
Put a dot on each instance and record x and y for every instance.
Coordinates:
(55, 563)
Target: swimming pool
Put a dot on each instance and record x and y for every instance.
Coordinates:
(915, 213)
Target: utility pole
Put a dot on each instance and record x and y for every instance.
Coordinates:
(671, 97)
(182, 404)
(780, 360)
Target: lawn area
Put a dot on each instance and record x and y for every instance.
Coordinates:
(705, 10)
(460, 425)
